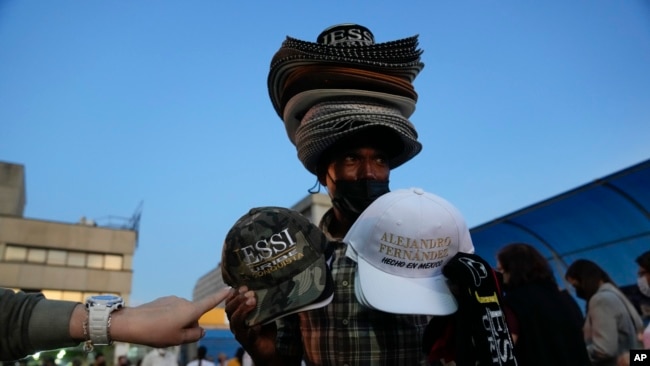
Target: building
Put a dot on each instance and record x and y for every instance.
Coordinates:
(67, 261)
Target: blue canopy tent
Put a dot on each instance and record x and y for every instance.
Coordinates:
(606, 221)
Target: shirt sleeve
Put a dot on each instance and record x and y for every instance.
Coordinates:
(49, 327)
(604, 336)
(31, 323)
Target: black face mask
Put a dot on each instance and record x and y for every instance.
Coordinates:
(353, 196)
(580, 292)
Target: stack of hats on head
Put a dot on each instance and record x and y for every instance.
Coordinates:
(342, 84)
(401, 243)
(279, 254)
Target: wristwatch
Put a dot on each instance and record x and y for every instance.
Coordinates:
(99, 309)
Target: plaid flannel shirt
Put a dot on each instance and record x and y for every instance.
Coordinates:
(348, 333)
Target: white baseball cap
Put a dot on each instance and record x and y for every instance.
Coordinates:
(401, 242)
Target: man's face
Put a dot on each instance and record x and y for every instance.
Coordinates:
(356, 163)
(355, 172)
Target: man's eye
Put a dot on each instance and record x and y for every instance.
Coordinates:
(381, 160)
(349, 158)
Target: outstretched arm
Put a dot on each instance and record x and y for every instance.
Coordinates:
(31, 323)
(164, 322)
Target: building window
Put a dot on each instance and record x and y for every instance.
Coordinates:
(35, 255)
(72, 296)
(76, 259)
(95, 261)
(15, 254)
(113, 262)
(52, 294)
(68, 295)
(56, 257)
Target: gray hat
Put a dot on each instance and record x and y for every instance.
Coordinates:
(369, 84)
(345, 60)
(329, 122)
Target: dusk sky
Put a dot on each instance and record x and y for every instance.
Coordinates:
(110, 104)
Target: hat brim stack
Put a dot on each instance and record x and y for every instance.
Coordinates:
(303, 74)
(343, 119)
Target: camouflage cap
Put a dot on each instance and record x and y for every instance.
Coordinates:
(279, 254)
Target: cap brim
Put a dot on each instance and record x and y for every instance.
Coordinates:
(311, 288)
(300, 103)
(401, 295)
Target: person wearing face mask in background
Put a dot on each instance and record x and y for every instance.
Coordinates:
(643, 281)
(612, 324)
(350, 139)
(547, 321)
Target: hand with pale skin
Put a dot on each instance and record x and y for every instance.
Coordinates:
(164, 322)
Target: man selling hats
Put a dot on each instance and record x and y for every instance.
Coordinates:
(345, 102)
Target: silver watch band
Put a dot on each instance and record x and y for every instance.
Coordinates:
(98, 323)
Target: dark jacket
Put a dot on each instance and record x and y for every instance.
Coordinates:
(549, 326)
(31, 323)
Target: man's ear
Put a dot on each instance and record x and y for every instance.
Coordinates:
(321, 173)
(322, 177)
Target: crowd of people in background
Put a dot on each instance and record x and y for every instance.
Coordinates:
(547, 324)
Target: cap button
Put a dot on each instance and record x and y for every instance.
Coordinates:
(419, 191)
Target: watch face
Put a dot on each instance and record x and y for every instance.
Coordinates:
(108, 300)
(105, 297)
